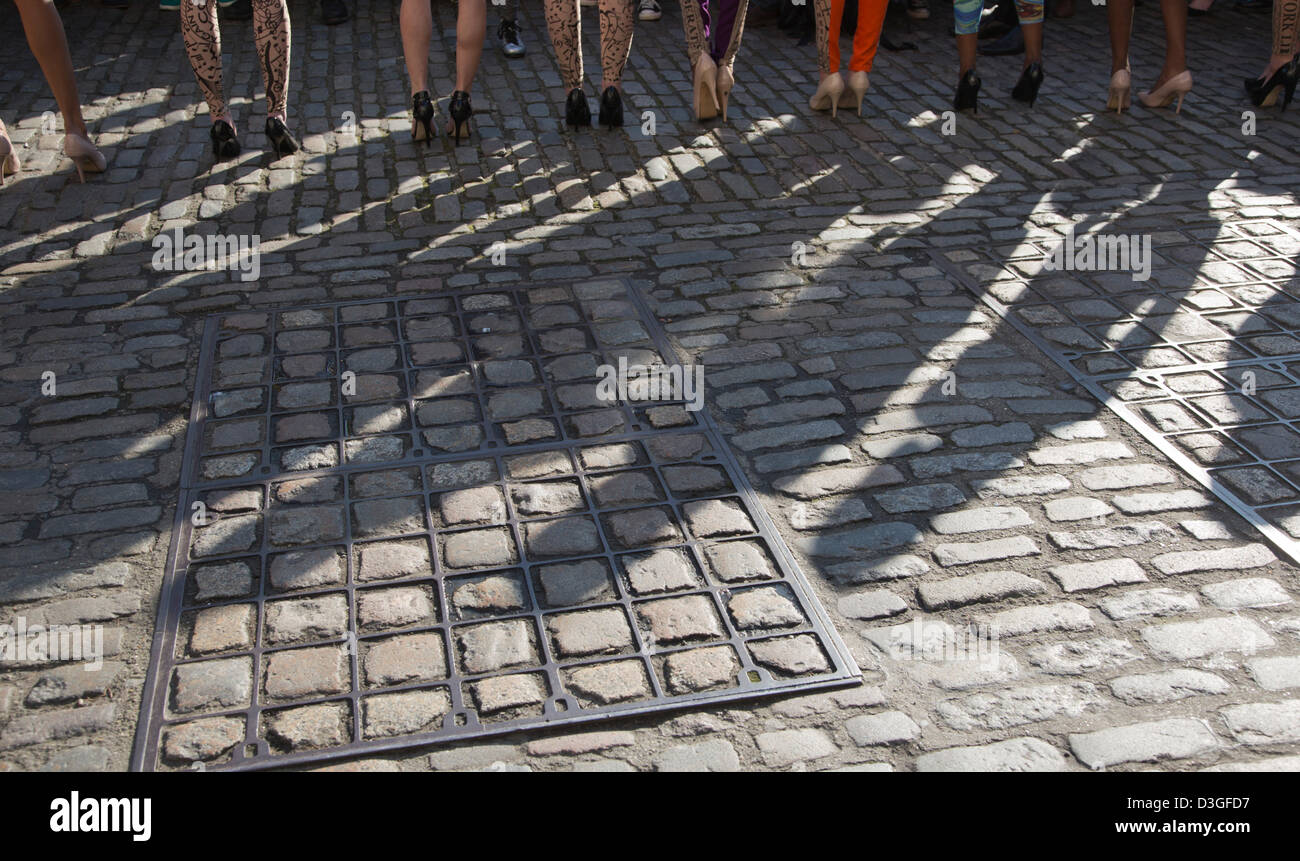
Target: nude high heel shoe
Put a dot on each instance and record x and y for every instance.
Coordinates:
(706, 87)
(8, 158)
(1175, 88)
(726, 80)
(828, 93)
(855, 91)
(85, 157)
(1121, 84)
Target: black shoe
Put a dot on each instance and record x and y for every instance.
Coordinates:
(240, 10)
(224, 143)
(611, 107)
(968, 91)
(460, 111)
(282, 143)
(1031, 79)
(576, 112)
(422, 114)
(333, 11)
(1009, 45)
(1261, 91)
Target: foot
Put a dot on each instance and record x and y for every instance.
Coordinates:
(512, 43)
(648, 10)
(333, 11)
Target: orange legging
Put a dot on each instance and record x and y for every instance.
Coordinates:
(871, 20)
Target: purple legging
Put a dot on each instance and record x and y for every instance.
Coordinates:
(726, 23)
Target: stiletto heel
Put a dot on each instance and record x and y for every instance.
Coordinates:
(282, 142)
(225, 145)
(828, 93)
(85, 157)
(1265, 93)
(611, 108)
(1121, 85)
(422, 117)
(1170, 91)
(855, 91)
(1026, 89)
(968, 92)
(726, 80)
(706, 87)
(576, 111)
(460, 111)
(8, 158)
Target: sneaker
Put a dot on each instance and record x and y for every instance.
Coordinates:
(512, 44)
(170, 5)
(649, 10)
(918, 9)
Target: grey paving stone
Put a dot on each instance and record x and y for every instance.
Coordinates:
(871, 604)
(970, 553)
(1017, 754)
(1264, 723)
(1167, 686)
(1077, 657)
(925, 497)
(1186, 641)
(1085, 576)
(1148, 602)
(1277, 673)
(1245, 593)
(712, 755)
(980, 520)
(825, 482)
(976, 588)
(1012, 707)
(786, 747)
(1175, 738)
(1063, 616)
(892, 727)
(1076, 508)
(1228, 559)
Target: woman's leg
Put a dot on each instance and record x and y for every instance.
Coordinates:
(616, 17)
(866, 39)
(1286, 34)
(822, 29)
(45, 36)
(967, 14)
(471, 27)
(1175, 15)
(695, 27)
(833, 36)
(1030, 13)
(562, 21)
(416, 24)
(1119, 15)
(203, 46)
(271, 30)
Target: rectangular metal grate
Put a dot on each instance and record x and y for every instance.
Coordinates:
(413, 520)
(1203, 359)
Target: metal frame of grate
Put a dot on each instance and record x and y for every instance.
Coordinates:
(678, 465)
(1205, 364)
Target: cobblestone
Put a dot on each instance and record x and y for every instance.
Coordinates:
(1017, 754)
(1176, 738)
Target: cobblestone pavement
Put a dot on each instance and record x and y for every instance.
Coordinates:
(929, 466)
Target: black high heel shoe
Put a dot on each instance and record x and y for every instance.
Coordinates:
(611, 107)
(1031, 79)
(576, 112)
(422, 114)
(460, 111)
(224, 143)
(278, 134)
(968, 92)
(1264, 93)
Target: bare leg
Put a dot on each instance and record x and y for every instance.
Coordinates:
(1175, 15)
(44, 29)
(966, 47)
(1286, 35)
(471, 26)
(1119, 14)
(416, 24)
(1033, 43)
(271, 30)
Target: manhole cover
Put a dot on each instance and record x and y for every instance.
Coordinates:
(422, 519)
(1202, 358)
